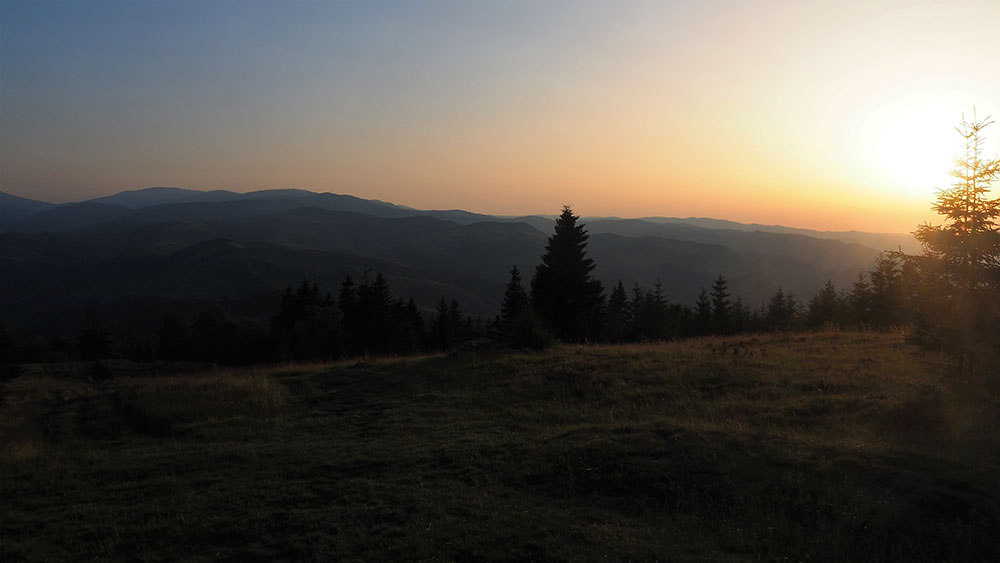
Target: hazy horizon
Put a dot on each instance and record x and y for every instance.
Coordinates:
(820, 115)
(549, 214)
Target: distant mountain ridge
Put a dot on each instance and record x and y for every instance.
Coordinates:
(138, 250)
(13, 207)
(20, 214)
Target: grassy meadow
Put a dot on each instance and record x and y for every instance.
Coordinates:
(820, 447)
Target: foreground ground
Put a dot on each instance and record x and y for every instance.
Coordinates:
(843, 447)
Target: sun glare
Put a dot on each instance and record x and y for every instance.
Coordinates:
(911, 143)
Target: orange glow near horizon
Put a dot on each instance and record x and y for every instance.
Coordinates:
(824, 115)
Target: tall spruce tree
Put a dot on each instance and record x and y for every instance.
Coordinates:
(968, 244)
(658, 313)
(374, 315)
(637, 314)
(721, 307)
(518, 324)
(781, 309)
(566, 297)
(957, 297)
(617, 320)
(826, 307)
(860, 301)
(887, 290)
(515, 300)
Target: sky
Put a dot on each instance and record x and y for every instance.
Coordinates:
(833, 115)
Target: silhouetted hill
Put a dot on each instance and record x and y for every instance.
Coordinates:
(217, 254)
(53, 278)
(149, 197)
(159, 204)
(245, 247)
(880, 241)
(68, 217)
(13, 207)
(175, 204)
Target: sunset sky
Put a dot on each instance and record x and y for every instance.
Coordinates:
(824, 114)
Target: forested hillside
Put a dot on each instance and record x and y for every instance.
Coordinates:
(151, 250)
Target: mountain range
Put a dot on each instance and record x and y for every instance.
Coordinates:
(140, 252)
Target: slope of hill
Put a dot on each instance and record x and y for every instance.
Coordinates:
(149, 197)
(68, 217)
(823, 447)
(13, 207)
(51, 280)
(181, 204)
(53, 275)
(60, 258)
(174, 204)
(879, 241)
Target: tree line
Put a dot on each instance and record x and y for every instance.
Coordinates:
(563, 302)
(364, 319)
(948, 298)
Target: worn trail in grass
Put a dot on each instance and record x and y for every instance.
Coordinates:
(843, 446)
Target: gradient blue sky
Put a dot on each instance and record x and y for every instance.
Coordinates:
(816, 114)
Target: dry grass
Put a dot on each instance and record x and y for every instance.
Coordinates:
(61, 408)
(819, 447)
(250, 393)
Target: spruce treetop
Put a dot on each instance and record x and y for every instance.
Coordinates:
(568, 300)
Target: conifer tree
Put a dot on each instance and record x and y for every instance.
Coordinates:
(781, 310)
(860, 301)
(347, 302)
(374, 316)
(347, 298)
(308, 326)
(564, 294)
(461, 325)
(721, 307)
(519, 327)
(957, 295)
(968, 244)
(443, 328)
(741, 316)
(407, 327)
(617, 316)
(515, 300)
(637, 314)
(703, 313)
(825, 308)
(886, 297)
(657, 313)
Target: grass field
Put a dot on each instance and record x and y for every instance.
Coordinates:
(824, 447)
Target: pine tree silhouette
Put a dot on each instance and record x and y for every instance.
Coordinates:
(564, 294)
(826, 307)
(860, 301)
(617, 321)
(515, 300)
(703, 313)
(955, 284)
(721, 307)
